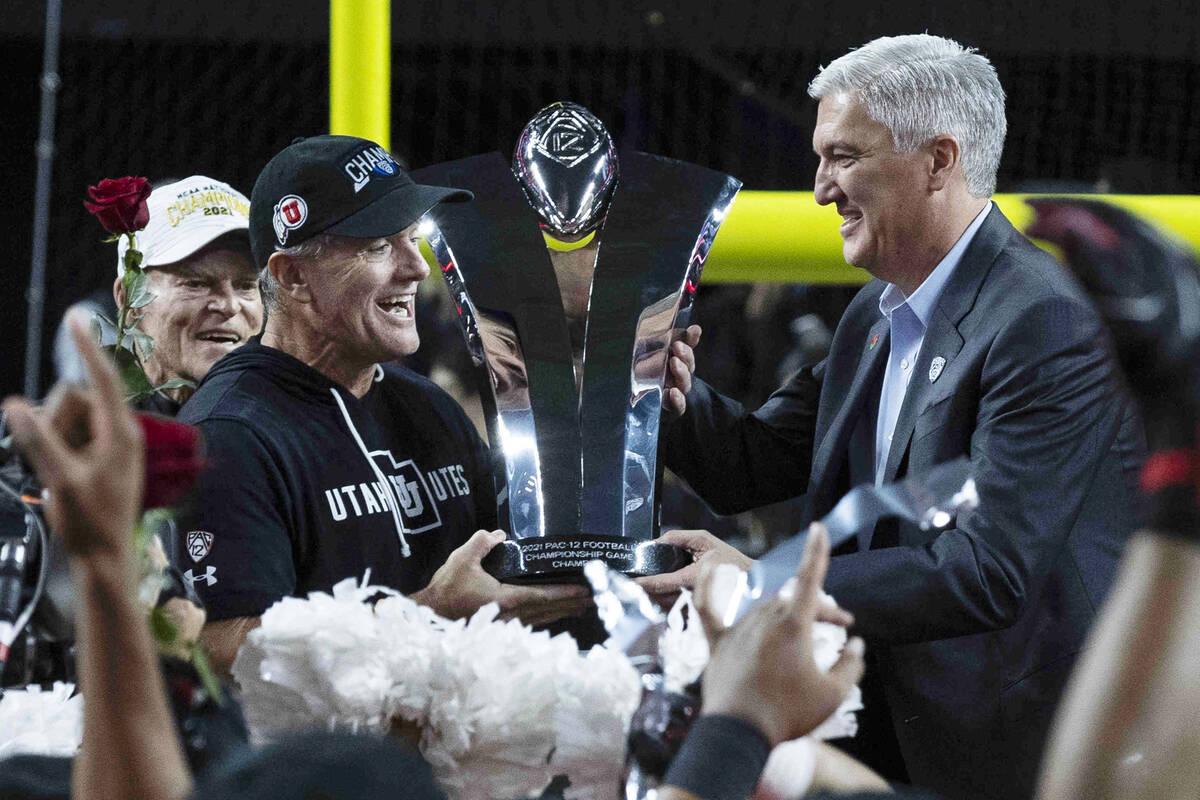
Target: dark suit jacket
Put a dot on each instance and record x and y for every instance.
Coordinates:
(974, 629)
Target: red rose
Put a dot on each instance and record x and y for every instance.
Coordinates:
(120, 204)
(173, 459)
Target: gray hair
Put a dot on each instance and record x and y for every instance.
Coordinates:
(268, 287)
(921, 86)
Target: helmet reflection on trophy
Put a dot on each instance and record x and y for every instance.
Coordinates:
(566, 164)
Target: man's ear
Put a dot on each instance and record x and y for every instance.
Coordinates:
(291, 275)
(947, 160)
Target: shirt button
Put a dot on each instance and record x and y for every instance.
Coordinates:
(904, 363)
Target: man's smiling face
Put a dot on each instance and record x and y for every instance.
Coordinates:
(882, 196)
(364, 295)
(204, 307)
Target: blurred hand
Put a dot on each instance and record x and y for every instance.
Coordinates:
(461, 586)
(705, 549)
(1146, 288)
(89, 456)
(708, 599)
(762, 669)
(680, 366)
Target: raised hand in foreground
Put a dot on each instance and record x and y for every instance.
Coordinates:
(87, 450)
(762, 670)
(762, 685)
(88, 453)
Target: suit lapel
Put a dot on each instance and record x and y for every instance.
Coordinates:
(867, 376)
(942, 338)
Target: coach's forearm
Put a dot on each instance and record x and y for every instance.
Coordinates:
(222, 639)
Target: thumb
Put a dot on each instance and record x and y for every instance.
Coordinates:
(675, 402)
(691, 540)
(45, 451)
(848, 669)
(479, 545)
(668, 582)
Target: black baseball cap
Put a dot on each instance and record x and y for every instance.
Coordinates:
(335, 184)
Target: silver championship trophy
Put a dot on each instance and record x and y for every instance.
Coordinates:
(570, 332)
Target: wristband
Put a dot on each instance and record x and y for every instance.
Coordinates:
(721, 759)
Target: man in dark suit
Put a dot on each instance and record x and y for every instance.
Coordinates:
(969, 341)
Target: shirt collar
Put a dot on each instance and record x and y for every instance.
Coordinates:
(922, 301)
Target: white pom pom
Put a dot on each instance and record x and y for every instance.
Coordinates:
(36, 722)
(684, 648)
(502, 709)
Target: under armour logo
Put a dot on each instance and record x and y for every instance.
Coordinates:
(209, 577)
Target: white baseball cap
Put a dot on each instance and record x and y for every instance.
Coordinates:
(185, 216)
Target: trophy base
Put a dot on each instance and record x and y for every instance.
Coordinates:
(560, 559)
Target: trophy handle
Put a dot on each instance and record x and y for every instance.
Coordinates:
(656, 238)
(491, 252)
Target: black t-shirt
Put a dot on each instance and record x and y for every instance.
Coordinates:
(291, 504)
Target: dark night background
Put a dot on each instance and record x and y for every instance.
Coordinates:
(1100, 94)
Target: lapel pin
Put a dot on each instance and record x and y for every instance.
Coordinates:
(935, 368)
(874, 341)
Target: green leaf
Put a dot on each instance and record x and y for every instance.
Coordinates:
(143, 340)
(137, 385)
(133, 259)
(151, 523)
(162, 629)
(134, 283)
(141, 299)
(111, 238)
(103, 318)
(177, 383)
(204, 669)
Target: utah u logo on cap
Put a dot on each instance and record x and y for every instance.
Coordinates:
(290, 213)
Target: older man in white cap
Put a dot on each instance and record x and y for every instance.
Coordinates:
(196, 253)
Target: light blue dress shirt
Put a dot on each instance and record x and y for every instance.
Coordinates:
(908, 318)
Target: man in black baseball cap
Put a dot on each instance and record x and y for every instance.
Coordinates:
(327, 459)
(335, 185)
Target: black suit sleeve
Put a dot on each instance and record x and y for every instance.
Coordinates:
(737, 460)
(1049, 412)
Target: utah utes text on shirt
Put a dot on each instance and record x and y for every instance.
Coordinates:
(417, 492)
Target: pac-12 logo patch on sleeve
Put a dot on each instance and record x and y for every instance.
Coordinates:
(199, 543)
(290, 213)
